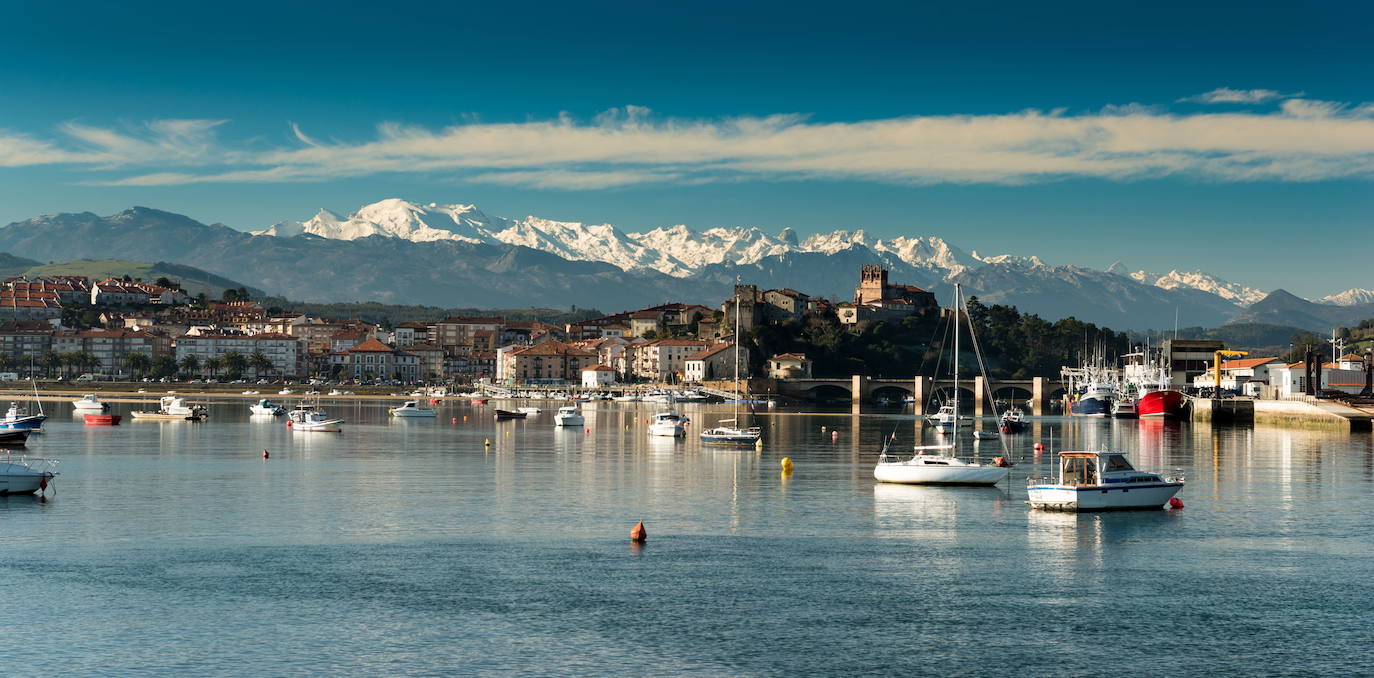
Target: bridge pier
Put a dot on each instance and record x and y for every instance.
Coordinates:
(979, 387)
(1039, 391)
(860, 387)
(920, 390)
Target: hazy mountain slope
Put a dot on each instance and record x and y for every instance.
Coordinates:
(192, 279)
(1283, 308)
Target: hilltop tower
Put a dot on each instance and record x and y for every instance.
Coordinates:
(872, 284)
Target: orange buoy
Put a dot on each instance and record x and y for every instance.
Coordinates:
(1000, 462)
(1175, 503)
(264, 454)
(639, 535)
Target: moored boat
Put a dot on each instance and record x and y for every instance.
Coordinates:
(569, 416)
(508, 414)
(172, 408)
(1124, 408)
(1012, 421)
(1161, 404)
(265, 407)
(89, 403)
(411, 408)
(25, 475)
(102, 419)
(13, 437)
(1101, 481)
(668, 424)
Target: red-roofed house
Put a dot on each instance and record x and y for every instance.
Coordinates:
(597, 376)
(714, 362)
(546, 361)
(664, 359)
(789, 366)
(372, 359)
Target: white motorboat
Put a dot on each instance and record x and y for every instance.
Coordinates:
(411, 408)
(1101, 481)
(940, 464)
(668, 424)
(945, 418)
(627, 398)
(285, 391)
(1012, 421)
(307, 419)
(89, 403)
(265, 407)
(172, 408)
(569, 416)
(25, 475)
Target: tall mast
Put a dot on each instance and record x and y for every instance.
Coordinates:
(735, 386)
(958, 310)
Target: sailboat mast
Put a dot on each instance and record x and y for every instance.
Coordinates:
(735, 386)
(958, 306)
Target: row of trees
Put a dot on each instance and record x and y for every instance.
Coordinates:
(139, 365)
(1015, 345)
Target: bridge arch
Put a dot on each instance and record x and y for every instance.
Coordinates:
(826, 392)
(890, 392)
(945, 394)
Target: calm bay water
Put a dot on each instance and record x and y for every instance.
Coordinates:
(409, 548)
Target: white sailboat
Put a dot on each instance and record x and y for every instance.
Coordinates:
(939, 464)
(733, 434)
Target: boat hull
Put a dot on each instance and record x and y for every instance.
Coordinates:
(163, 416)
(917, 472)
(1089, 407)
(102, 419)
(667, 430)
(506, 414)
(1111, 497)
(1161, 405)
(561, 420)
(413, 413)
(14, 437)
(21, 479)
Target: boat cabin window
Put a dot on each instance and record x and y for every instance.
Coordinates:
(1079, 471)
(1117, 462)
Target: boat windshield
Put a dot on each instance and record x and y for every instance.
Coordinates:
(1078, 471)
(1117, 462)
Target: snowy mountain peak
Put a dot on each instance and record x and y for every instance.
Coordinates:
(1351, 297)
(680, 251)
(1238, 294)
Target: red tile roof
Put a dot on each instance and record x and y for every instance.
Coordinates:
(371, 346)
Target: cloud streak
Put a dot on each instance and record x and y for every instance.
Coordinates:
(1226, 95)
(1304, 140)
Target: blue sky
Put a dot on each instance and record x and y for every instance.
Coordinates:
(1220, 136)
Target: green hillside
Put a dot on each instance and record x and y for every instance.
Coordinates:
(193, 280)
(11, 265)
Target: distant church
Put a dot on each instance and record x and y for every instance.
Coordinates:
(876, 299)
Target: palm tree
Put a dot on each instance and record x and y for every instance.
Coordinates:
(235, 363)
(49, 361)
(190, 365)
(164, 366)
(260, 363)
(69, 361)
(213, 363)
(138, 363)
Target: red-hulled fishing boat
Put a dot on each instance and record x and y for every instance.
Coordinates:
(1160, 404)
(102, 419)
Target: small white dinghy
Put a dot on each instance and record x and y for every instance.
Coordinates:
(266, 408)
(1101, 481)
(25, 475)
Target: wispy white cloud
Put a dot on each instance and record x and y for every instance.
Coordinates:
(1226, 95)
(1304, 140)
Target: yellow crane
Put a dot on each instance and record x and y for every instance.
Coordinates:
(1216, 365)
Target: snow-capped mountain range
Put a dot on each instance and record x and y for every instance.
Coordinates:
(680, 251)
(1352, 297)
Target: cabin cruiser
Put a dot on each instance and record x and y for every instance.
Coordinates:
(1101, 481)
(89, 403)
(25, 475)
(265, 407)
(172, 408)
(568, 416)
(412, 408)
(668, 424)
(1012, 421)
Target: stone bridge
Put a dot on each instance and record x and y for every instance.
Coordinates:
(861, 390)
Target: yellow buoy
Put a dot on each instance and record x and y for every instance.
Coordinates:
(488, 442)
(786, 464)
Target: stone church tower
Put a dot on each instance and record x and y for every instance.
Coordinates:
(872, 284)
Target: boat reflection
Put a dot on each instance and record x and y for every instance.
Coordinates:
(926, 512)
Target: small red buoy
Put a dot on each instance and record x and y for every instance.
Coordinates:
(1040, 447)
(587, 431)
(454, 420)
(264, 454)
(639, 535)
(288, 424)
(834, 435)
(1175, 503)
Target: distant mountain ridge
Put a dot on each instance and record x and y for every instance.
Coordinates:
(395, 251)
(1283, 308)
